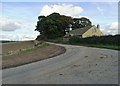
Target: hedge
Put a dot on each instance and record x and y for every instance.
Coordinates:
(105, 40)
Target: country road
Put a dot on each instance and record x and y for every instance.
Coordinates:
(79, 65)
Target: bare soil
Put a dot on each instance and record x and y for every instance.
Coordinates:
(28, 57)
(6, 47)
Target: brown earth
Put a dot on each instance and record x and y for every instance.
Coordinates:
(27, 57)
(6, 47)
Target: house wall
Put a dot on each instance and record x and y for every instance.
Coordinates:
(93, 31)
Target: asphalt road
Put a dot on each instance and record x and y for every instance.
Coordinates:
(79, 65)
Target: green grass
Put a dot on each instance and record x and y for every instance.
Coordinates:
(37, 47)
(113, 47)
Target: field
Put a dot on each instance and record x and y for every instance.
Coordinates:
(19, 53)
(7, 47)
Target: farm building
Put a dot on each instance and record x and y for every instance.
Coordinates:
(84, 32)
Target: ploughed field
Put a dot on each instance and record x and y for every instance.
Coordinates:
(19, 53)
(12, 46)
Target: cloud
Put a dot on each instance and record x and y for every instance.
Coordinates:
(18, 37)
(63, 9)
(25, 30)
(113, 26)
(111, 29)
(9, 24)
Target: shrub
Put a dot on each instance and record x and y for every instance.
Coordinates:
(105, 40)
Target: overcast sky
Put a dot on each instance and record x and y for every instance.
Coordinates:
(18, 19)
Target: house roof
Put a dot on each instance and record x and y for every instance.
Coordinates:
(80, 31)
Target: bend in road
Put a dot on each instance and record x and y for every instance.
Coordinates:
(79, 65)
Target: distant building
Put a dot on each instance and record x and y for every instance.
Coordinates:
(87, 31)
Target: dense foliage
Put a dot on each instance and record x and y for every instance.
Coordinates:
(104, 40)
(81, 22)
(56, 25)
(53, 26)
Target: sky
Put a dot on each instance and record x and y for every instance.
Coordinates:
(18, 19)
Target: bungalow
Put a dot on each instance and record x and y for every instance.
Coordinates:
(84, 32)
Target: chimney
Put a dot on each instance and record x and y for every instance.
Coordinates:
(98, 26)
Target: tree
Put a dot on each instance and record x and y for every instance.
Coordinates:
(81, 22)
(40, 23)
(66, 22)
(53, 26)
(40, 18)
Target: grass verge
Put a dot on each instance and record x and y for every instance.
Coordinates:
(113, 47)
(26, 50)
(60, 40)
